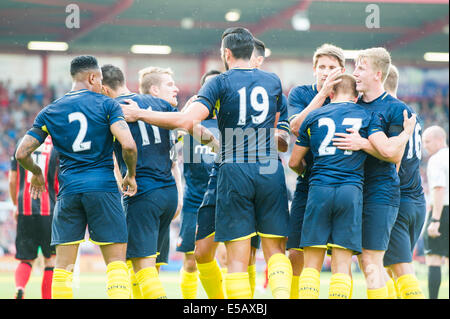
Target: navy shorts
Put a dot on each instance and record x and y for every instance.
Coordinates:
(438, 245)
(405, 233)
(378, 221)
(296, 216)
(148, 220)
(333, 217)
(162, 257)
(250, 203)
(186, 238)
(33, 232)
(101, 212)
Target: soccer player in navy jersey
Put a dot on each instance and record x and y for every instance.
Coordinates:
(334, 207)
(82, 125)
(251, 188)
(382, 183)
(150, 212)
(411, 207)
(328, 63)
(198, 161)
(34, 217)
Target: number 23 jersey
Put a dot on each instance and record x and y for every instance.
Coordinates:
(79, 124)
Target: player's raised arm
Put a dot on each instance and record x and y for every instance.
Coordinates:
(122, 132)
(378, 144)
(195, 113)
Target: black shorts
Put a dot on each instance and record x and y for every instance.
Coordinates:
(34, 231)
(438, 245)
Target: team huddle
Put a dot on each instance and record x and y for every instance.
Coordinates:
(357, 157)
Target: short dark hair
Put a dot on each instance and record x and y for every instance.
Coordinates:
(347, 85)
(83, 63)
(112, 76)
(240, 41)
(211, 72)
(260, 48)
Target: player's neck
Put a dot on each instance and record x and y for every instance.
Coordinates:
(343, 99)
(122, 91)
(76, 86)
(240, 64)
(373, 93)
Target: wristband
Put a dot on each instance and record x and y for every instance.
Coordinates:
(434, 220)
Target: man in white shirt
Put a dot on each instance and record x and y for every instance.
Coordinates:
(437, 227)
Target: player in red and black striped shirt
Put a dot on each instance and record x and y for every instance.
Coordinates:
(34, 217)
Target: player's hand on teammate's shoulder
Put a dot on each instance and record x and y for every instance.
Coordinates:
(409, 123)
(37, 186)
(130, 110)
(129, 186)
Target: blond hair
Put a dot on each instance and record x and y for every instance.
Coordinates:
(391, 83)
(151, 76)
(379, 58)
(327, 49)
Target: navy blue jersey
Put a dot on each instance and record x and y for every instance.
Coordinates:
(246, 102)
(79, 124)
(332, 166)
(409, 173)
(198, 161)
(283, 120)
(153, 167)
(299, 98)
(381, 179)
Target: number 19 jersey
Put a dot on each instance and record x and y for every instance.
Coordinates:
(246, 102)
(79, 124)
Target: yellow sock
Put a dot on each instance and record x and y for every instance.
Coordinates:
(151, 286)
(135, 289)
(62, 284)
(409, 287)
(397, 289)
(392, 293)
(340, 286)
(189, 284)
(294, 287)
(309, 284)
(351, 290)
(238, 286)
(211, 278)
(117, 280)
(252, 277)
(379, 293)
(279, 270)
(224, 289)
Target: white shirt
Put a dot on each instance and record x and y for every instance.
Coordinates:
(437, 172)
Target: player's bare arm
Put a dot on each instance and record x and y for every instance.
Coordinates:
(23, 155)
(177, 176)
(438, 206)
(385, 148)
(122, 132)
(296, 159)
(317, 101)
(282, 138)
(195, 113)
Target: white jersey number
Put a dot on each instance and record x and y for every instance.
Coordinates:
(78, 145)
(262, 106)
(324, 148)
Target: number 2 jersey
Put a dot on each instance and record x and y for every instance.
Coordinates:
(79, 124)
(332, 166)
(246, 102)
(153, 167)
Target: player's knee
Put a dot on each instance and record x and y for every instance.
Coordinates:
(189, 264)
(203, 254)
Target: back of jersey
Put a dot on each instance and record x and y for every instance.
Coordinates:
(409, 172)
(246, 102)
(153, 167)
(79, 124)
(332, 166)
